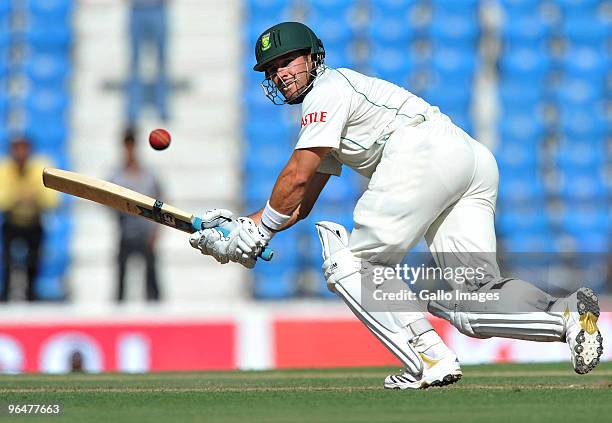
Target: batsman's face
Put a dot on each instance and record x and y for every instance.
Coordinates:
(290, 74)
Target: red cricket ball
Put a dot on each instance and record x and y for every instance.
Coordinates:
(159, 139)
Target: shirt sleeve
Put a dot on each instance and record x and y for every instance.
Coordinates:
(324, 114)
(330, 165)
(5, 187)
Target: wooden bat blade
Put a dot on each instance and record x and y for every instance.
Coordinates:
(126, 200)
(117, 197)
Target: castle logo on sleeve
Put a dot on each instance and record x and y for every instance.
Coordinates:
(265, 42)
(314, 117)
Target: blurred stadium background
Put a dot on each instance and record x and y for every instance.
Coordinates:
(529, 78)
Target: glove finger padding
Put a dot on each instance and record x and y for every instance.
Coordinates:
(204, 239)
(217, 217)
(211, 242)
(251, 236)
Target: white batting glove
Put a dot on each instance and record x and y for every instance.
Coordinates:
(211, 242)
(249, 242)
(216, 217)
(223, 248)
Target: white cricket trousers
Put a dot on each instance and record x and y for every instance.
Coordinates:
(433, 181)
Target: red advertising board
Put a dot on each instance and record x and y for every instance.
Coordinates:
(117, 346)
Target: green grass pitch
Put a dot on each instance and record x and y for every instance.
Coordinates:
(492, 393)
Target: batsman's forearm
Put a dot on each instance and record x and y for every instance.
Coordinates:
(288, 193)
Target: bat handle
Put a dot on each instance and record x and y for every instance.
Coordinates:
(266, 254)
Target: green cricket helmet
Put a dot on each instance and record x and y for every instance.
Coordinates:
(283, 38)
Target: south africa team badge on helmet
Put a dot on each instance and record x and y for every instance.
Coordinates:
(265, 42)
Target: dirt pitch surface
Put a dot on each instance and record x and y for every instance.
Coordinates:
(492, 393)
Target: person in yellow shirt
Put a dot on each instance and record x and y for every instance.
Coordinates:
(23, 200)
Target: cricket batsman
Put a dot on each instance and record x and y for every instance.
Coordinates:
(428, 178)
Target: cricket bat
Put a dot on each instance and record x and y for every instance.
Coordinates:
(128, 201)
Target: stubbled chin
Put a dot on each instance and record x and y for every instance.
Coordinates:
(289, 94)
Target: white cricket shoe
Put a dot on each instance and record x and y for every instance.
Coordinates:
(582, 335)
(441, 372)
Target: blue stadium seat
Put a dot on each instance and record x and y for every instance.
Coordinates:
(579, 185)
(528, 242)
(3, 74)
(528, 65)
(267, 133)
(334, 9)
(253, 30)
(264, 161)
(274, 283)
(453, 66)
(258, 186)
(448, 96)
(389, 30)
(5, 45)
(257, 103)
(47, 135)
(50, 288)
(5, 9)
(581, 156)
(332, 31)
(51, 39)
(586, 63)
(594, 242)
(48, 71)
(529, 30)
(580, 92)
(529, 217)
(584, 217)
(578, 7)
(461, 118)
(55, 257)
(340, 191)
(4, 107)
(398, 8)
(392, 64)
(57, 157)
(528, 99)
(312, 254)
(454, 6)
(517, 156)
(340, 56)
(286, 246)
(522, 128)
(587, 30)
(583, 124)
(278, 278)
(260, 10)
(51, 9)
(520, 188)
(4, 140)
(46, 105)
(458, 30)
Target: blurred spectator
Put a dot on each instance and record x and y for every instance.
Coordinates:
(148, 36)
(23, 200)
(76, 362)
(137, 236)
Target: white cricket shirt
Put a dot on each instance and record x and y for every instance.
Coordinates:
(355, 114)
